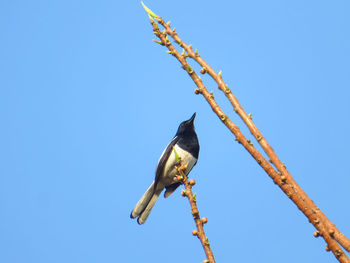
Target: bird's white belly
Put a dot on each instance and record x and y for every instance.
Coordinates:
(170, 172)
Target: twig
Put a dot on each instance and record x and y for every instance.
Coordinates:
(195, 213)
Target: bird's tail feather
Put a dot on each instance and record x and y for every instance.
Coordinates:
(143, 202)
(145, 213)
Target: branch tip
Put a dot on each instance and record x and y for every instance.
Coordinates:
(149, 11)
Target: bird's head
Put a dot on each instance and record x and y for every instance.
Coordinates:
(186, 126)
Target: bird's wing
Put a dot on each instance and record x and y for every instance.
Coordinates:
(163, 159)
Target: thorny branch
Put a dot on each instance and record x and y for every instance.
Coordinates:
(281, 176)
(247, 119)
(195, 213)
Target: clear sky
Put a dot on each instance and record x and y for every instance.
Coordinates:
(88, 102)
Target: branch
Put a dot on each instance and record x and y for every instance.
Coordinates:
(280, 176)
(195, 213)
(247, 119)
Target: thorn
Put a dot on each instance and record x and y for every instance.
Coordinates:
(174, 29)
(168, 23)
(220, 73)
(196, 53)
(167, 41)
(189, 69)
(194, 196)
(227, 90)
(211, 95)
(158, 42)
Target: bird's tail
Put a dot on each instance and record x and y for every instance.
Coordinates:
(145, 204)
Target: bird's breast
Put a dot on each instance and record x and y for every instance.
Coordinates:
(170, 172)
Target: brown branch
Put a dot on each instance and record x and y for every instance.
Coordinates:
(283, 180)
(343, 240)
(195, 213)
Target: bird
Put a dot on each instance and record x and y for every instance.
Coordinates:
(183, 146)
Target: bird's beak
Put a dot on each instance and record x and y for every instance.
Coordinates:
(192, 118)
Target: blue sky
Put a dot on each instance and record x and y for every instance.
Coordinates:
(88, 103)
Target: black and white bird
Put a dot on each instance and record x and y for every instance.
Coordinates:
(185, 145)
